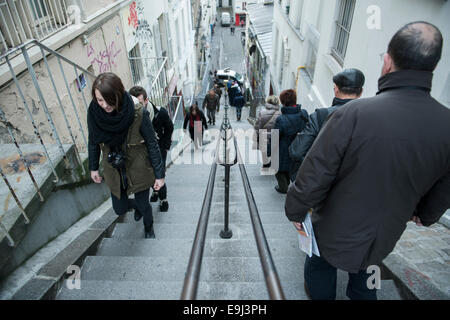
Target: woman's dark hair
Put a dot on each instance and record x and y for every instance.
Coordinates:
(288, 98)
(111, 88)
(194, 107)
(416, 46)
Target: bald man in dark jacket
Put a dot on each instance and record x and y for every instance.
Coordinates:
(376, 164)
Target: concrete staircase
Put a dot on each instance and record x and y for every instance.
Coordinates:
(127, 266)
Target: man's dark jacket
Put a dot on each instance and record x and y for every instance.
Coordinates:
(305, 138)
(376, 162)
(211, 103)
(163, 127)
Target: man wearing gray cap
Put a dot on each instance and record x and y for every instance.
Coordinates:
(348, 85)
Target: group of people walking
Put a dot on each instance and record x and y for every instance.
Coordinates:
(365, 166)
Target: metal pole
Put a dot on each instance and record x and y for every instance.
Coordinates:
(8, 236)
(63, 111)
(27, 165)
(44, 105)
(73, 103)
(36, 130)
(27, 220)
(226, 233)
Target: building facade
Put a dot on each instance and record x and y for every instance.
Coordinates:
(313, 40)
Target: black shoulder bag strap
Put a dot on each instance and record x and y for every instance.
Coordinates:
(322, 115)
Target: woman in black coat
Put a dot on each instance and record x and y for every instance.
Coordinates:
(193, 117)
(292, 120)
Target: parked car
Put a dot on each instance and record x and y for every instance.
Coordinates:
(230, 75)
(225, 19)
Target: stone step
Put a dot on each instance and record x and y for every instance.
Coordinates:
(224, 269)
(159, 290)
(178, 247)
(187, 231)
(235, 216)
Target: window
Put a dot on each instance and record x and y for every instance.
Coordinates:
(343, 25)
(295, 13)
(25, 19)
(136, 64)
(310, 66)
(313, 38)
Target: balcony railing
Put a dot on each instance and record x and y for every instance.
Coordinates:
(151, 73)
(21, 20)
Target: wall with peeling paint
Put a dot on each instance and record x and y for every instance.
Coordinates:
(104, 52)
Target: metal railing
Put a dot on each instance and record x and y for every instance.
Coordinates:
(21, 20)
(189, 291)
(151, 73)
(64, 124)
(192, 277)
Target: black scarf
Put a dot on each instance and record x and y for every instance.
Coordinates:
(110, 128)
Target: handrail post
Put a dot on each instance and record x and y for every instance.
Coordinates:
(226, 233)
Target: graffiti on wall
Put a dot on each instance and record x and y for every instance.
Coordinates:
(104, 59)
(136, 20)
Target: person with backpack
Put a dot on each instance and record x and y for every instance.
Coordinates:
(121, 130)
(348, 85)
(266, 121)
(163, 127)
(292, 120)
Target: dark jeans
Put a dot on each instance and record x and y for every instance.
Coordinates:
(320, 279)
(212, 115)
(238, 112)
(140, 202)
(283, 180)
(162, 193)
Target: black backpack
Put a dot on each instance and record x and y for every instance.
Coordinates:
(322, 115)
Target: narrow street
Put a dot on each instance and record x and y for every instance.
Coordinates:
(373, 154)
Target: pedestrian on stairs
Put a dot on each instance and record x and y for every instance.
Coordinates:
(197, 124)
(121, 129)
(292, 120)
(348, 85)
(266, 121)
(163, 127)
(211, 103)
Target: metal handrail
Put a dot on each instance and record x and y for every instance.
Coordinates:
(270, 273)
(190, 286)
(43, 46)
(44, 51)
(192, 277)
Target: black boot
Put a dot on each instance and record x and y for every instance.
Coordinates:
(163, 205)
(154, 196)
(149, 232)
(137, 215)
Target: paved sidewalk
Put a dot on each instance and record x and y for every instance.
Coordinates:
(421, 261)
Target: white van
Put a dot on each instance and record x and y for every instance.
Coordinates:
(225, 19)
